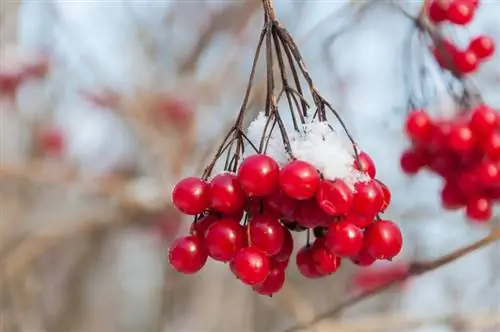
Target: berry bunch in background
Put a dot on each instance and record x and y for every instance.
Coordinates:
(465, 152)
(447, 54)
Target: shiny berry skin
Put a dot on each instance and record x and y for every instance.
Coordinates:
(266, 233)
(466, 62)
(461, 138)
(187, 254)
(226, 193)
(344, 239)
(363, 258)
(259, 175)
(282, 265)
(251, 266)
(361, 222)
(224, 239)
(273, 283)
(281, 203)
(305, 263)
(452, 197)
(200, 227)
(367, 164)
(299, 180)
(286, 249)
(309, 214)
(491, 146)
(368, 199)
(386, 195)
(482, 46)
(383, 239)
(460, 12)
(418, 126)
(334, 197)
(324, 260)
(488, 174)
(191, 196)
(412, 161)
(479, 209)
(483, 120)
(436, 12)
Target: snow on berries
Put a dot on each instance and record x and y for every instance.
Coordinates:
(285, 190)
(464, 151)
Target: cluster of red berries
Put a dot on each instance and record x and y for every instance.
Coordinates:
(465, 152)
(459, 12)
(246, 219)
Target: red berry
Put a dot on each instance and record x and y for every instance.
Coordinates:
(282, 265)
(461, 12)
(259, 175)
(413, 160)
(483, 120)
(266, 233)
(386, 196)
(299, 180)
(383, 239)
(281, 203)
(418, 126)
(273, 283)
(52, 141)
(461, 138)
(226, 193)
(368, 199)
(224, 239)
(436, 12)
(251, 265)
(187, 254)
(191, 196)
(444, 163)
(306, 264)
(479, 209)
(452, 197)
(482, 46)
(334, 197)
(366, 164)
(309, 214)
(361, 222)
(199, 227)
(466, 62)
(324, 260)
(491, 146)
(344, 239)
(488, 174)
(363, 258)
(444, 53)
(286, 249)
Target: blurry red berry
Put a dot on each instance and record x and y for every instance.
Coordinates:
(482, 46)
(483, 120)
(413, 160)
(334, 197)
(251, 265)
(466, 62)
(445, 53)
(259, 175)
(488, 174)
(383, 239)
(224, 238)
(491, 146)
(461, 138)
(187, 254)
(226, 193)
(418, 126)
(52, 141)
(344, 239)
(479, 209)
(436, 12)
(366, 164)
(452, 197)
(461, 12)
(191, 196)
(299, 180)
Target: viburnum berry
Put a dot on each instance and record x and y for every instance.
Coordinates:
(357, 220)
(226, 193)
(224, 238)
(310, 215)
(460, 12)
(483, 120)
(444, 53)
(52, 141)
(251, 265)
(200, 226)
(191, 196)
(259, 175)
(479, 209)
(482, 46)
(413, 160)
(299, 180)
(334, 197)
(452, 197)
(436, 12)
(368, 199)
(466, 62)
(187, 254)
(305, 263)
(383, 239)
(273, 283)
(365, 164)
(325, 261)
(491, 146)
(281, 203)
(488, 174)
(418, 126)
(344, 239)
(363, 258)
(266, 233)
(461, 138)
(286, 249)
(386, 195)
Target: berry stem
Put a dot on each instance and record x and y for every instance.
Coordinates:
(269, 9)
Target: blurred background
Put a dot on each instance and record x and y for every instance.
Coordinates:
(106, 104)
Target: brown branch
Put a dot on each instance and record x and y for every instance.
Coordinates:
(416, 269)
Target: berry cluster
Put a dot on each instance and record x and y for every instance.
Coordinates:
(459, 12)
(245, 219)
(465, 152)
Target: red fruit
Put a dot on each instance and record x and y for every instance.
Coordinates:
(299, 180)
(479, 209)
(466, 62)
(286, 249)
(370, 279)
(439, 136)
(191, 196)
(273, 283)
(488, 174)
(251, 265)
(383, 239)
(224, 239)
(176, 111)
(366, 164)
(461, 138)
(418, 126)
(282, 265)
(324, 260)
(259, 175)
(306, 264)
(413, 160)
(199, 227)
(309, 214)
(386, 196)
(281, 203)
(452, 197)
(187, 254)
(334, 197)
(468, 182)
(226, 193)
(444, 163)
(368, 199)
(491, 146)
(436, 12)
(267, 234)
(482, 46)
(483, 120)
(363, 258)
(361, 222)
(461, 12)
(52, 141)
(444, 53)
(344, 239)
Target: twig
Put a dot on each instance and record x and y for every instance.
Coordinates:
(415, 269)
